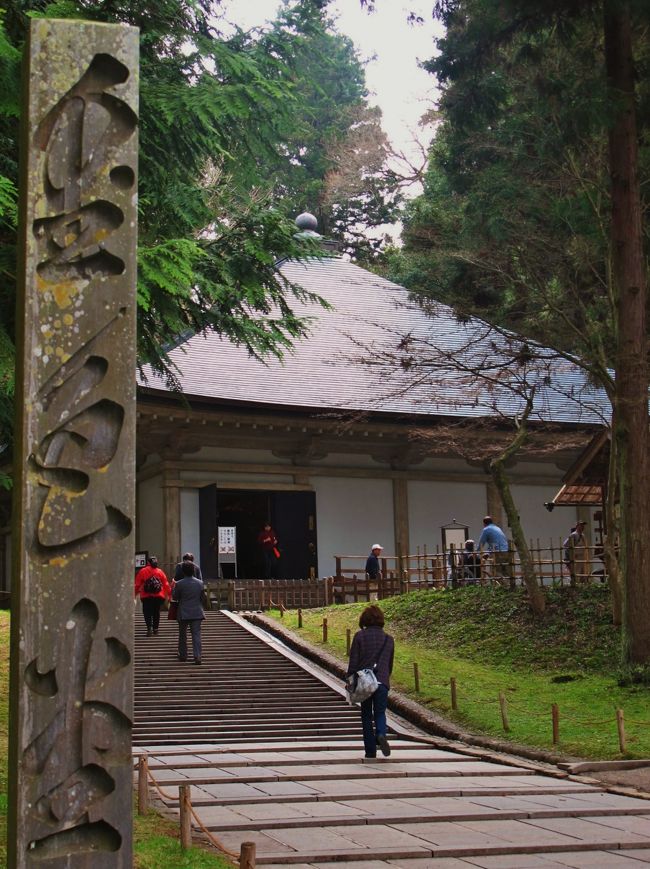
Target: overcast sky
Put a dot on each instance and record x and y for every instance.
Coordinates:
(391, 45)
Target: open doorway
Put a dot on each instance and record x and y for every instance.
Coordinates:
(292, 516)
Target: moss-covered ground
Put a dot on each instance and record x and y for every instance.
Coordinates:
(489, 642)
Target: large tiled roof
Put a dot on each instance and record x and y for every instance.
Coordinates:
(338, 366)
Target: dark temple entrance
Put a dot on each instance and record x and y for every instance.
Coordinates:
(291, 514)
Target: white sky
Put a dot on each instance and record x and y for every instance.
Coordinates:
(392, 47)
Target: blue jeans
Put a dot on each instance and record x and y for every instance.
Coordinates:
(373, 719)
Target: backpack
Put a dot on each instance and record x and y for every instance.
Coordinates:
(152, 585)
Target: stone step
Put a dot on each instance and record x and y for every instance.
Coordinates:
(486, 838)
(234, 794)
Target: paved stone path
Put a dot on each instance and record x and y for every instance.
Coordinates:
(311, 801)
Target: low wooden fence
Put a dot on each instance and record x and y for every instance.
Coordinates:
(447, 569)
(260, 594)
(424, 570)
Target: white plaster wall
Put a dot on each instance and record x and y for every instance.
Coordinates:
(351, 515)
(190, 534)
(265, 480)
(234, 454)
(150, 519)
(432, 505)
(536, 519)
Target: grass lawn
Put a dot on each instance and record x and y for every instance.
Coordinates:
(488, 641)
(156, 840)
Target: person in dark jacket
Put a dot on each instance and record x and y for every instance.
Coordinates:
(178, 570)
(372, 563)
(188, 594)
(372, 648)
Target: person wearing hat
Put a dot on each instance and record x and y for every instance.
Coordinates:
(373, 571)
(575, 553)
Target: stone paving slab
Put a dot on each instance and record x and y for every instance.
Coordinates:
(642, 856)
(590, 830)
(600, 860)
(579, 860)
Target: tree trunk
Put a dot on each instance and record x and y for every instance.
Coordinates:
(529, 576)
(497, 469)
(631, 407)
(610, 541)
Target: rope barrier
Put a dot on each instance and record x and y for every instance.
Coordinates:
(219, 845)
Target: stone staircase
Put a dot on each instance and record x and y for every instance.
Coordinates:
(270, 763)
(243, 690)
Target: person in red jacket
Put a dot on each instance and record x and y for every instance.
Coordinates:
(153, 587)
(269, 543)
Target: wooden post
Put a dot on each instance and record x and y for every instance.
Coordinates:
(620, 725)
(143, 784)
(329, 583)
(185, 807)
(337, 560)
(454, 697)
(416, 677)
(247, 855)
(503, 703)
(324, 630)
(348, 640)
(299, 618)
(555, 716)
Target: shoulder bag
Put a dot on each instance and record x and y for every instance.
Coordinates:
(363, 684)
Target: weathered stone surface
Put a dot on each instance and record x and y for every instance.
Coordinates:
(71, 688)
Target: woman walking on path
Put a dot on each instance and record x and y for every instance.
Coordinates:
(372, 649)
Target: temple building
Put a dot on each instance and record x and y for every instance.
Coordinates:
(336, 452)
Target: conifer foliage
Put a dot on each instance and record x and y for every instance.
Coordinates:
(535, 212)
(234, 142)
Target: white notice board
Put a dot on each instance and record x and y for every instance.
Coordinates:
(227, 541)
(227, 545)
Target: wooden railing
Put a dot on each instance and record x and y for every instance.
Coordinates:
(437, 570)
(447, 570)
(260, 594)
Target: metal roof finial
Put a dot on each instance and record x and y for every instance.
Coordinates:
(307, 226)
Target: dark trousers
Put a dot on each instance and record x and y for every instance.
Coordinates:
(195, 629)
(269, 564)
(373, 719)
(151, 612)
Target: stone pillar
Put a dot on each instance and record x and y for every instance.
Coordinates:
(70, 767)
(401, 516)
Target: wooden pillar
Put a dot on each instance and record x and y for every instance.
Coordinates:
(494, 505)
(171, 523)
(401, 517)
(70, 764)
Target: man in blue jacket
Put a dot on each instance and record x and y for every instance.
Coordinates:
(373, 570)
(188, 594)
(495, 541)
